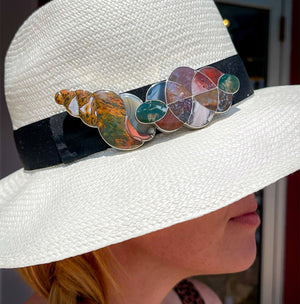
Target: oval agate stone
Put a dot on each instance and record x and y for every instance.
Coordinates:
(151, 111)
(229, 83)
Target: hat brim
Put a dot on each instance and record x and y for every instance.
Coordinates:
(59, 212)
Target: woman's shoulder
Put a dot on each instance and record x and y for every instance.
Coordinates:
(36, 299)
(191, 291)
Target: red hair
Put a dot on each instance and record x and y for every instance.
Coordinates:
(83, 279)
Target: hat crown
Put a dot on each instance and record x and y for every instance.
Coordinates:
(118, 45)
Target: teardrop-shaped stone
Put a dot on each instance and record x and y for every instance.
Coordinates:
(151, 111)
(157, 92)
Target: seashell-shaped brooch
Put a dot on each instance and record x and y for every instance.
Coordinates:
(187, 98)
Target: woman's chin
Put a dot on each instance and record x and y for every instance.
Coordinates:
(243, 258)
(236, 257)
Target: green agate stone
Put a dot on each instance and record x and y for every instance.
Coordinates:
(229, 83)
(151, 111)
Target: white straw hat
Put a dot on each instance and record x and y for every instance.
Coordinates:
(67, 205)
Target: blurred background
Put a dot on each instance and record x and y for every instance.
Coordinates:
(266, 34)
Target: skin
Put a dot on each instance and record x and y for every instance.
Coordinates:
(154, 263)
(211, 244)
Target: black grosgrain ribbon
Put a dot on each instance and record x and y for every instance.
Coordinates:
(62, 138)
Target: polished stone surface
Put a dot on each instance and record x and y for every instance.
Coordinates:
(229, 83)
(151, 111)
(182, 109)
(208, 99)
(157, 92)
(200, 116)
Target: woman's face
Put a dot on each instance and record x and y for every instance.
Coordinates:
(219, 242)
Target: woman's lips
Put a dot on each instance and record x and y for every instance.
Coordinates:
(250, 218)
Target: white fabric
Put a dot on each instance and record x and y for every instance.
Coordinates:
(112, 196)
(55, 213)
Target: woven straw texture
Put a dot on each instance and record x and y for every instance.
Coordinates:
(118, 45)
(112, 196)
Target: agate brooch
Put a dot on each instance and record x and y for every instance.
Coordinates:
(187, 98)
